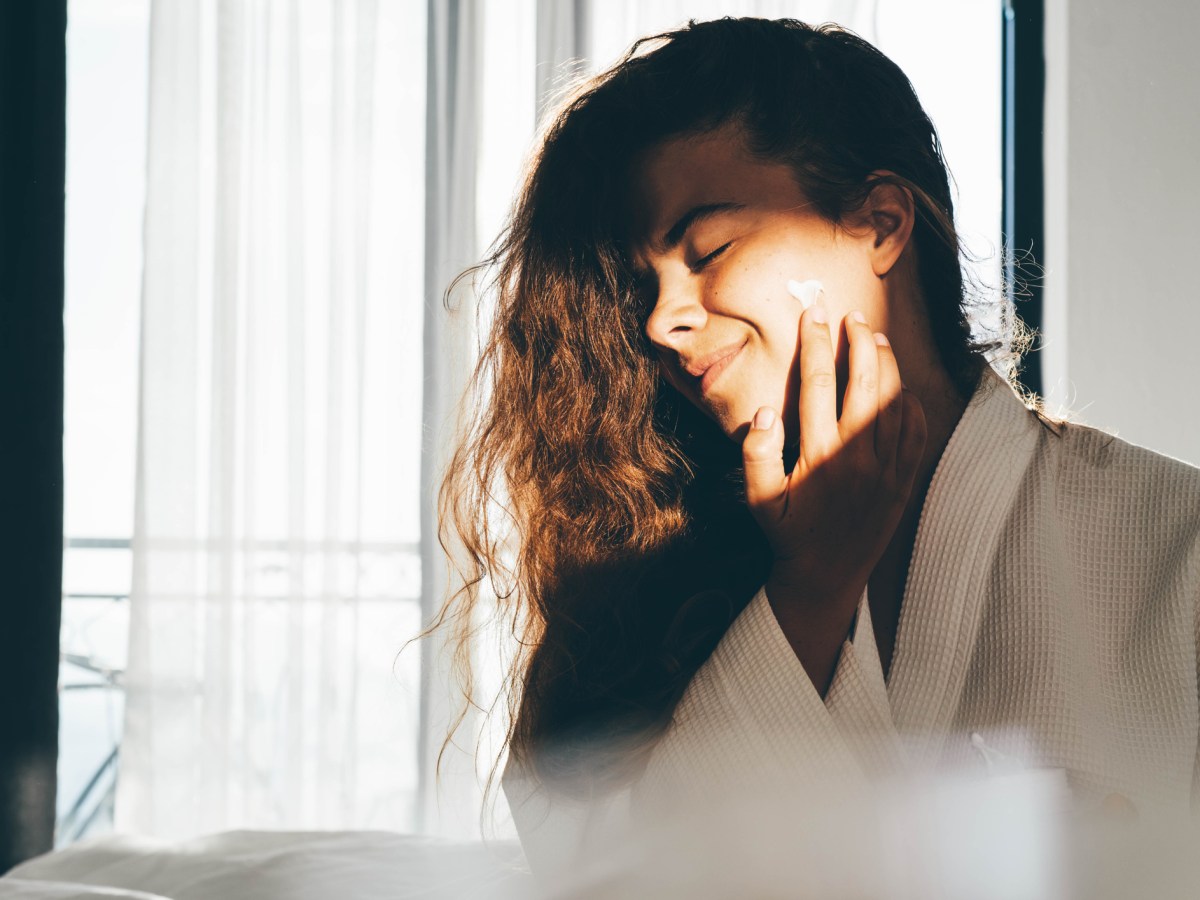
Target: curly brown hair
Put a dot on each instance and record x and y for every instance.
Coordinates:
(601, 509)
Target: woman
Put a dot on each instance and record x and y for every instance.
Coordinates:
(754, 537)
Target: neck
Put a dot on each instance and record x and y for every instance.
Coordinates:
(943, 406)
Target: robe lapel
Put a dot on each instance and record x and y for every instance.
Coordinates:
(969, 499)
(858, 701)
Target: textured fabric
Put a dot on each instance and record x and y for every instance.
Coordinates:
(274, 865)
(1050, 610)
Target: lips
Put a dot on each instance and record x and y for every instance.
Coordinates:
(714, 369)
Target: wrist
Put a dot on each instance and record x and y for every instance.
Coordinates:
(799, 600)
(804, 587)
(816, 625)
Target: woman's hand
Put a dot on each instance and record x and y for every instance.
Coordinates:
(830, 519)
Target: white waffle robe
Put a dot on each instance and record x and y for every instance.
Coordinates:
(1050, 609)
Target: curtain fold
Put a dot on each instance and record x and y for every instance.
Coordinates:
(562, 46)
(277, 570)
(450, 804)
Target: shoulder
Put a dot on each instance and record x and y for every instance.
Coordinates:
(1088, 480)
(1120, 510)
(1091, 465)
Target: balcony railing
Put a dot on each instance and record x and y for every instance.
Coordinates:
(86, 668)
(93, 657)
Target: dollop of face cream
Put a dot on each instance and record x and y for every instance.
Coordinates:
(806, 291)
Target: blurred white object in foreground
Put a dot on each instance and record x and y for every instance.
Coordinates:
(1013, 835)
(1003, 836)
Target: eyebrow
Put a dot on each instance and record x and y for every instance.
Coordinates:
(696, 214)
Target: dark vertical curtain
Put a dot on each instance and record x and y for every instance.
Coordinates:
(32, 173)
(1024, 81)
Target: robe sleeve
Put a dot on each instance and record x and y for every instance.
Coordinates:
(556, 830)
(857, 700)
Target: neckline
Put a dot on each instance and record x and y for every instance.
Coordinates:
(985, 387)
(970, 494)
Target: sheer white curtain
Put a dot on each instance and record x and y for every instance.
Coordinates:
(277, 565)
(318, 171)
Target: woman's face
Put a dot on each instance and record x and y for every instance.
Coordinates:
(717, 236)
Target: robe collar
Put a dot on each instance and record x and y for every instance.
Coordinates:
(970, 498)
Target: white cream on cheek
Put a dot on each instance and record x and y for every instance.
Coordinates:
(806, 291)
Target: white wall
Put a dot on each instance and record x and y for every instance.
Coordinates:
(1122, 146)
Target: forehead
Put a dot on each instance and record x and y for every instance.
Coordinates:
(680, 173)
(715, 167)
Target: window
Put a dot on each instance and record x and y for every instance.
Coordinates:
(959, 82)
(106, 141)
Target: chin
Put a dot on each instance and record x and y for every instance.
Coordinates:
(733, 410)
(734, 419)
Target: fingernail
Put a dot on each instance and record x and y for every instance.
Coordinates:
(881, 339)
(764, 418)
(858, 317)
(819, 315)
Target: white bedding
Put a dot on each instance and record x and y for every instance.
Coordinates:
(23, 889)
(990, 840)
(254, 865)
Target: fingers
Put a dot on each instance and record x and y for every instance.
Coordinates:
(891, 401)
(819, 437)
(762, 457)
(860, 407)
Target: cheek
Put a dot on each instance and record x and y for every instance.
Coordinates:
(750, 286)
(755, 292)
(752, 289)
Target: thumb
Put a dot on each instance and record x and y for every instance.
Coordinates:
(762, 456)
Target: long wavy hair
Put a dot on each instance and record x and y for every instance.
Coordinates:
(597, 509)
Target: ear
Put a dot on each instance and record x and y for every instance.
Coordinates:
(890, 214)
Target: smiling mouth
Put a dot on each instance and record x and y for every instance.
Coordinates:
(713, 372)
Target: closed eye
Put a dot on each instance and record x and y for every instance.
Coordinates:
(705, 260)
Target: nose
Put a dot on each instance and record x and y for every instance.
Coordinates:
(677, 312)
